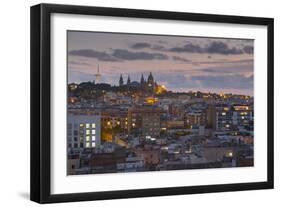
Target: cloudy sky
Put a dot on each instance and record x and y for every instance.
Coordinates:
(180, 63)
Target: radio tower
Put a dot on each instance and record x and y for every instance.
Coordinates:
(97, 76)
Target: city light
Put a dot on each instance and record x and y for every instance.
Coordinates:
(140, 126)
(151, 100)
(160, 89)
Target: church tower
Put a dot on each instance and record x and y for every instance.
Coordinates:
(128, 80)
(142, 80)
(150, 80)
(121, 82)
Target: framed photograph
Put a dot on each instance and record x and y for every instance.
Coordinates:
(132, 103)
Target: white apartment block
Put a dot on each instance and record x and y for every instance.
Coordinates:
(83, 131)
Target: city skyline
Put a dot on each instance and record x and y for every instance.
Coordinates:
(182, 64)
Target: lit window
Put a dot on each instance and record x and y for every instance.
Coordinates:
(223, 113)
(87, 131)
(133, 124)
(93, 138)
(93, 144)
(87, 138)
(88, 144)
(93, 131)
(227, 126)
(81, 125)
(87, 125)
(93, 125)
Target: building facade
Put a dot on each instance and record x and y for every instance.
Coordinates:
(144, 120)
(83, 131)
(220, 117)
(227, 117)
(243, 115)
(193, 119)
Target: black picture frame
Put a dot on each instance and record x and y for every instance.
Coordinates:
(41, 98)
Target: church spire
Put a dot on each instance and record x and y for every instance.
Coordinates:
(142, 80)
(150, 79)
(121, 82)
(128, 80)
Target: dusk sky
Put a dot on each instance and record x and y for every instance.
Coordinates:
(180, 63)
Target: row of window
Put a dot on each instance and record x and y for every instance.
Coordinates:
(90, 144)
(87, 145)
(88, 125)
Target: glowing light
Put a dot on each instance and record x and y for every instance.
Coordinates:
(241, 108)
(73, 87)
(151, 100)
(72, 100)
(160, 89)
(88, 144)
